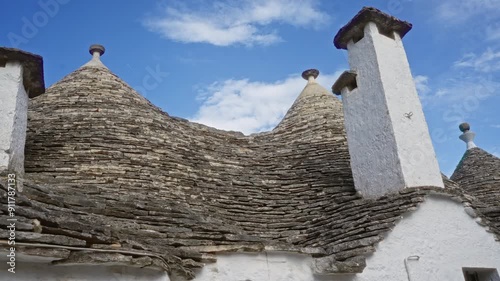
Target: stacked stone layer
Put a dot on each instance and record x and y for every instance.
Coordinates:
(106, 169)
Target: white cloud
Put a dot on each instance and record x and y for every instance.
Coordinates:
(235, 22)
(488, 61)
(460, 11)
(469, 92)
(493, 32)
(422, 85)
(251, 106)
(423, 89)
(464, 92)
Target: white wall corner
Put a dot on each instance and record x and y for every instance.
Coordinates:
(21, 78)
(13, 117)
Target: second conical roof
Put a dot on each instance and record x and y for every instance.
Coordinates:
(316, 112)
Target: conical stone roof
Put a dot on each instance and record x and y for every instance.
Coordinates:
(479, 174)
(90, 116)
(105, 167)
(316, 113)
(92, 134)
(92, 128)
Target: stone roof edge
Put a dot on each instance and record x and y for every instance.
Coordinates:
(67, 255)
(466, 154)
(328, 265)
(257, 247)
(355, 27)
(323, 262)
(33, 77)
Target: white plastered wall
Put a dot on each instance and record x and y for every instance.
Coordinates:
(273, 266)
(13, 117)
(444, 237)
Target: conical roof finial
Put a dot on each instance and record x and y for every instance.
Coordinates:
(310, 75)
(96, 48)
(467, 136)
(96, 51)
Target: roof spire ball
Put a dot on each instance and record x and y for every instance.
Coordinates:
(310, 75)
(467, 136)
(96, 51)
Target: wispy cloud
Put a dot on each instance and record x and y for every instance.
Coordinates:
(251, 106)
(460, 11)
(422, 85)
(472, 79)
(493, 32)
(466, 91)
(488, 61)
(235, 22)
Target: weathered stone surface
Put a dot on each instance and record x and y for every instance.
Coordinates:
(111, 172)
(100, 258)
(55, 253)
(44, 238)
(478, 174)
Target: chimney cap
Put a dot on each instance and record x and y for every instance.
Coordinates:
(464, 127)
(346, 79)
(310, 72)
(354, 29)
(33, 78)
(97, 48)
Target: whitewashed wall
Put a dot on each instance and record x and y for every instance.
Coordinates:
(387, 135)
(13, 117)
(253, 267)
(444, 237)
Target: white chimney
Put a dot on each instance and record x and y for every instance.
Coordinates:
(21, 77)
(387, 135)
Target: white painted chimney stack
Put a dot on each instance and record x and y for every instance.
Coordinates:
(388, 138)
(21, 78)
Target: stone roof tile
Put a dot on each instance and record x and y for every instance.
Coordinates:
(107, 169)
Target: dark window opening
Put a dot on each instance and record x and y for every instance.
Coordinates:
(481, 274)
(355, 39)
(387, 33)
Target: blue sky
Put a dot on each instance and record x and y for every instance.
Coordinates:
(236, 64)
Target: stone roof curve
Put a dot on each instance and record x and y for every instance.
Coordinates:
(478, 173)
(107, 169)
(93, 136)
